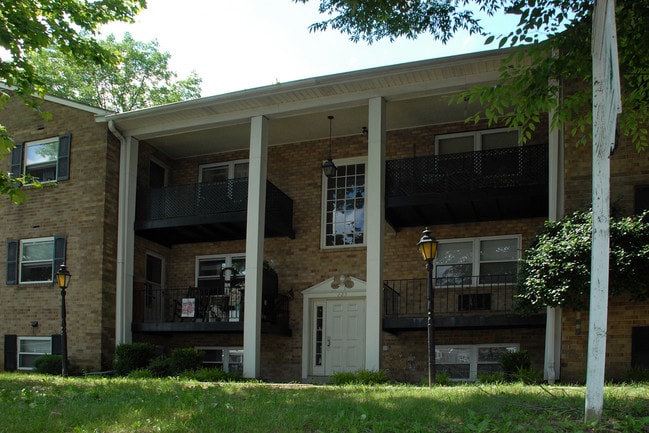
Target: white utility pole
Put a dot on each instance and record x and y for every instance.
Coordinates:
(606, 107)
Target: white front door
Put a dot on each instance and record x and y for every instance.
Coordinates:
(338, 336)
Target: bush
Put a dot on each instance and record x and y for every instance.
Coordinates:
(638, 375)
(512, 362)
(528, 376)
(491, 378)
(185, 359)
(48, 364)
(141, 373)
(361, 377)
(211, 375)
(161, 367)
(133, 356)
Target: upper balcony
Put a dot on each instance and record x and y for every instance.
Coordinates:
(205, 212)
(458, 302)
(453, 188)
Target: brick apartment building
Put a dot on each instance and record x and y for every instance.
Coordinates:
(210, 224)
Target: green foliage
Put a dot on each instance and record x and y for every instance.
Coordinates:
(638, 375)
(133, 356)
(185, 359)
(491, 378)
(48, 364)
(139, 78)
(160, 367)
(211, 375)
(442, 379)
(140, 373)
(513, 363)
(530, 76)
(360, 377)
(555, 270)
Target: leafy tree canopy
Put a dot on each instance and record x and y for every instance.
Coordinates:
(27, 26)
(555, 270)
(527, 84)
(140, 78)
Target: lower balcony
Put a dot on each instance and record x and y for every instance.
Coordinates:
(459, 302)
(193, 309)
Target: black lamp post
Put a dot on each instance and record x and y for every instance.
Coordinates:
(63, 279)
(428, 248)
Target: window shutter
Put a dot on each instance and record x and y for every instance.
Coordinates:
(11, 352)
(59, 254)
(56, 344)
(12, 262)
(63, 160)
(17, 160)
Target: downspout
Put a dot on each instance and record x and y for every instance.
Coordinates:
(121, 334)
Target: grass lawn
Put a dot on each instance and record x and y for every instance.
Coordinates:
(38, 403)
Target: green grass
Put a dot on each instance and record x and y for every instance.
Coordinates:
(35, 403)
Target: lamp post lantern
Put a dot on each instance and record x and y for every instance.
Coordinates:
(428, 248)
(63, 279)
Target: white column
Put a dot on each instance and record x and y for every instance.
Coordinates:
(126, 239)
(255, 246)
(552, 362)
(374, 231)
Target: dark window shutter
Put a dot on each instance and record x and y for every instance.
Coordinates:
(640, 347)
(11, 352)
(12, 262)
(63, 160)
(56, 344)
(17, 160)
(59, 254)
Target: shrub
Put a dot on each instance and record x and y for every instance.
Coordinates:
(442, 379)
(528, 376)
(140, 373)
(512, 362)
(211, 375)
(48, 364)
(185, 359)
(161, 367)
(491, 378)
(361, 377)
(133, 356)
(638, 375)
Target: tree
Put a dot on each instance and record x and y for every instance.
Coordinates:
(555, 269)
(141, 78)
(27, 26)
(554, 37)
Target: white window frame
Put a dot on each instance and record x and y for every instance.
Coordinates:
(225, 363)
(477, 137)
(227, 258)
(473, 363)
(229, 164)
(323, 205)
(475, 264)
(21, 354)
(55, 162)
(21, 262)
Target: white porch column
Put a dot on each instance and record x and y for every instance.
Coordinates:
(125, 239)
(374, 231)
(255, 246)
(552, 362)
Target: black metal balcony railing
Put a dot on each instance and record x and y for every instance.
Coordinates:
(191, 304)
(180, 201)
(468, 171)
(453, 296)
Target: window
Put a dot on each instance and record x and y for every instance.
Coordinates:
(477, 140)
(228, 359)
(208, 270)
(30, 348)
(210, 173)
(344, 206)
(492, 260)
(34, 260)
(468, 362)
(47, 160)
(641, 199)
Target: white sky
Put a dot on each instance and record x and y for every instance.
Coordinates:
(241, 44)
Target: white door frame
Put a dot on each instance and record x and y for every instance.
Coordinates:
(323, 291)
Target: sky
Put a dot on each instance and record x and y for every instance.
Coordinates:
(242, 44)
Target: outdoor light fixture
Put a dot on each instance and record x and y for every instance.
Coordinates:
(63, 279)
(328, 167)
(427, 246)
